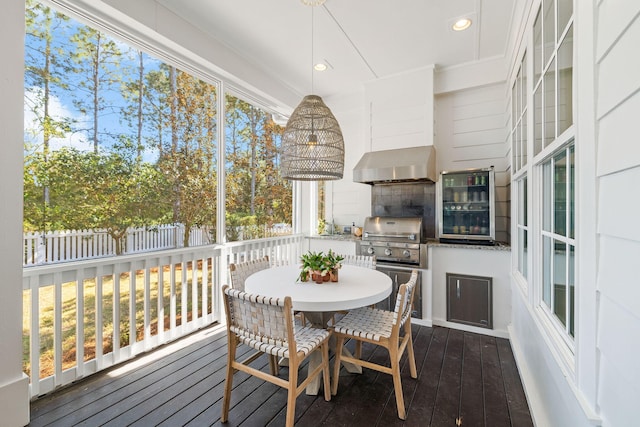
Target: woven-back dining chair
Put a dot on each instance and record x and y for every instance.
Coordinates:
(266, 324)
(380, 327)
(240, 271)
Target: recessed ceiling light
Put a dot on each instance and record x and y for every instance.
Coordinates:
(461, 24)
(320, 66)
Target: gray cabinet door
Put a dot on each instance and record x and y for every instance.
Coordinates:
(469, 300)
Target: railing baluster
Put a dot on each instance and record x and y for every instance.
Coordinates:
(132, 307)
(116, 316)
(147, 308)
(99, 302)
(57, 326)
(160, 303)
(34, 339)
(172, 299)
(80, 326)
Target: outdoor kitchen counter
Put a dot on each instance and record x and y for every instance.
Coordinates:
(482, 262)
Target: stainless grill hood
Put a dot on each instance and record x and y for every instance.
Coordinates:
(398, 165)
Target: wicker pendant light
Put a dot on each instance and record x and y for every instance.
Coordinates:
(312, 142)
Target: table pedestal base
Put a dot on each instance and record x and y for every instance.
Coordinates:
(320, 320)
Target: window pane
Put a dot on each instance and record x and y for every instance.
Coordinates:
(259, 201)
(322, 185)
(565, 83)
(522, 199)
(550, 104)
(549, 29)
(514, 148)
(560, 196)
(514, 104)
(518, 144)
(537, 49)
(523, 138)
(537, 117)
(572, 290)
(547, 194)
(560, 281)
(522, 252)
(131, 147)
(547, 261)
(565, 10)
(522, 224)
(572, 194)
(523, 67)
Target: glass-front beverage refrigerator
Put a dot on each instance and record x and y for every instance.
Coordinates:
(466, 206)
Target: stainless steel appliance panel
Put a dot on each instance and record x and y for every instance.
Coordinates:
(398, 277)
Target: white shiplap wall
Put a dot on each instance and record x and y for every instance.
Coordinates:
(617, 87)
(471, 131)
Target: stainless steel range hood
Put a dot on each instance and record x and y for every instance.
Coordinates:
(398, 165)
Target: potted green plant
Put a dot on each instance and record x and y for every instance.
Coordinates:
(320, 267)
(311, 264)
(333, 262)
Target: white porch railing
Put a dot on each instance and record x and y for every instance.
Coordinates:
(83, 317)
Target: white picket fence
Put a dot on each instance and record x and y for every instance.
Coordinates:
(73, 245)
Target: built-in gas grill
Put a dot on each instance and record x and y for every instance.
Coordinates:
(394, 241)
(399, 248)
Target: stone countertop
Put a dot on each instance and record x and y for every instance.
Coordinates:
(343, 237)
(498, 246)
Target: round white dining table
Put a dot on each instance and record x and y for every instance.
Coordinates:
(356, 287)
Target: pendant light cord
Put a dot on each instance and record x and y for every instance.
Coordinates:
(312, 7)
(312, 136)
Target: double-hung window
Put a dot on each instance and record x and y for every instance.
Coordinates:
(544, 184)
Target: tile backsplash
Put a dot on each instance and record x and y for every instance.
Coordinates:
(407, 200)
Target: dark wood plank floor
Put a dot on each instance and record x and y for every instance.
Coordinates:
(461, 376)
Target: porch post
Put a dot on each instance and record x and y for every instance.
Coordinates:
(14, 384)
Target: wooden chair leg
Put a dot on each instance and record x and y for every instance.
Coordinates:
(292, 393)
(397, 383)
(325, 371)
(228, 383)
(273, 365)
(412, 357)
(336, 364)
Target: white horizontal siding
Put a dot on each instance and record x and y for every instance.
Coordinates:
(620, 204)
(472, 132)
(619, 69)
(616, 130)
(618, 172)
(619, 280)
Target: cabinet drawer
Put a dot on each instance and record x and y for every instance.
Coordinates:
(469, 300)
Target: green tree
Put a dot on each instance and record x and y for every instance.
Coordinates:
(117, 192)
(189, 163)
(97, 60)
(256, 194)
(44, 72)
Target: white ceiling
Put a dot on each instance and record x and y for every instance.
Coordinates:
(362, 40)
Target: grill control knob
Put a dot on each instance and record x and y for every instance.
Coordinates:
(387, 252)
(406, 253)
(371, 251)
